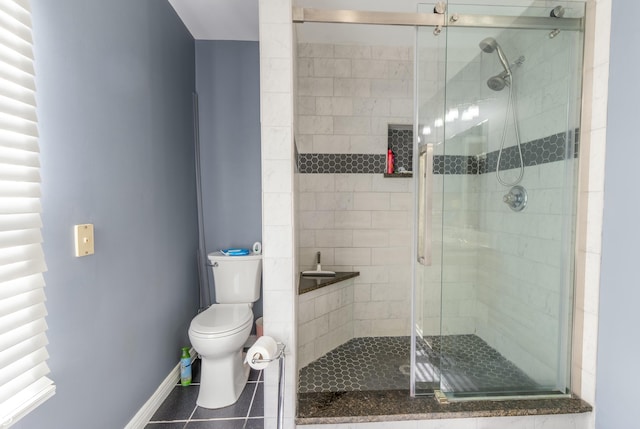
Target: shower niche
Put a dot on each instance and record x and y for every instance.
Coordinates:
(400, 142)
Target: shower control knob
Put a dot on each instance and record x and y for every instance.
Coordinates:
(516, 199)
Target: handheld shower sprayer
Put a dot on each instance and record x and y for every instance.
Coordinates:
(489, 45)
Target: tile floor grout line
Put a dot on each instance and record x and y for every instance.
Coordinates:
(255, 389)
(217, 419)
(190, 416)
(196, 404)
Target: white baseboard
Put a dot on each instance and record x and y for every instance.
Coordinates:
(142, 417)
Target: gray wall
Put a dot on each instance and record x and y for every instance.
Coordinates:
(618, 345)
(115, 81)
(228, 85)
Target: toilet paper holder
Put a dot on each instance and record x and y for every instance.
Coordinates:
(279, 357)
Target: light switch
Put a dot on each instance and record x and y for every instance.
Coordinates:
(83, 239)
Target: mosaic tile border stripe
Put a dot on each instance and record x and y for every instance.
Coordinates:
(541, 151)
(341, 163)
(536, 152)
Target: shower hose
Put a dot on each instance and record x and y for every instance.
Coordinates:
(511, 108)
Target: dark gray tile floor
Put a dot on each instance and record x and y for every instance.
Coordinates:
(460, 363)
(179, 410)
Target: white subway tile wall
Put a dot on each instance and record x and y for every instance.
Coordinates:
(347, 97)
(519, 274)
(278, 232)
(325, 320)
(590, 203)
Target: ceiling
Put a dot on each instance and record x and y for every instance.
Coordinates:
(238, 20)
(219, 19)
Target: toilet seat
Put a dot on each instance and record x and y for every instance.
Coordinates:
(222, 320)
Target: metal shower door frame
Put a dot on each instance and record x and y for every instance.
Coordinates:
(343, 16)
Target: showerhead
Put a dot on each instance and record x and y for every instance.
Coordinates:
(489, 45)
(498, 82)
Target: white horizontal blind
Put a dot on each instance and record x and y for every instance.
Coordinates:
(23, 368)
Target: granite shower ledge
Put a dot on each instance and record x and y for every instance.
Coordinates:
(307, 284)
(397, 405)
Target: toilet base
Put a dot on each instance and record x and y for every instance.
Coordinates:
(222, 380)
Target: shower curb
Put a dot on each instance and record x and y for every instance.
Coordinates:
(397, 405)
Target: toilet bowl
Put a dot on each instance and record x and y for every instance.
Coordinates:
(218, 334)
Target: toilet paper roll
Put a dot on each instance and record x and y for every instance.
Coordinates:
(257, 248)
(264, 348)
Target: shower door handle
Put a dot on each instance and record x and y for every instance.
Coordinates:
(425, 203)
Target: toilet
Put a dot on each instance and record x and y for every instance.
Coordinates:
(219, 333)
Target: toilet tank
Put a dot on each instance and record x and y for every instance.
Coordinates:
(237, 279)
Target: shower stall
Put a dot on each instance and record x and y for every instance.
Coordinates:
(496, 119)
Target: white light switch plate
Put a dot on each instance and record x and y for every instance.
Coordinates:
(83, 235)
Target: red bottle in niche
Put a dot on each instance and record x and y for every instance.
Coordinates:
(390, 160)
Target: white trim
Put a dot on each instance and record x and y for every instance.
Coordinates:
(144, 414)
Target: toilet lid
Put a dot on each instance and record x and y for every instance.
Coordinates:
(222, 318)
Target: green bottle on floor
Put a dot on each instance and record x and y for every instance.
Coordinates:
(185, 367)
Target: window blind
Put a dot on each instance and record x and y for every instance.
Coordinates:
(23, 368)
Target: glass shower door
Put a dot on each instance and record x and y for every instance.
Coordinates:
(502, 133)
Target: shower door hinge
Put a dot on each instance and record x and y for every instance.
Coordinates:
(441, 397)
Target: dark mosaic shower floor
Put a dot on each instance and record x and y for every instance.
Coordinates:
(466, 364)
